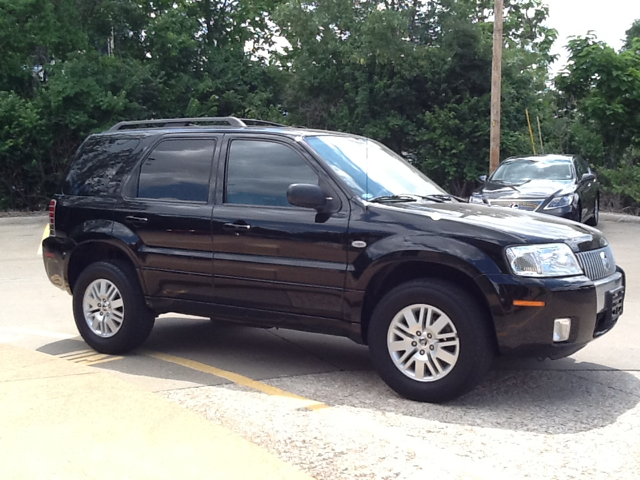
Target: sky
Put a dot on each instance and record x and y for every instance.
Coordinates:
(609, 19)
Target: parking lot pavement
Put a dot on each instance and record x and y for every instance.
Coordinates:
(61, 420)
(315, 402)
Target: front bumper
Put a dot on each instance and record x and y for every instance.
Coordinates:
(592, 307)
(570, 212)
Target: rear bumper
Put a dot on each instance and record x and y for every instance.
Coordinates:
(55, 255)
(592, 307)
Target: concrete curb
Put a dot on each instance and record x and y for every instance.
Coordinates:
(619, 217)
(40, 218)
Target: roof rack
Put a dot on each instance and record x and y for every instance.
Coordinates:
(257, 123)
(187, 122)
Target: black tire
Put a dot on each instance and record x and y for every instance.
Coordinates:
(464, 320)
(133, 319)
(593, 221)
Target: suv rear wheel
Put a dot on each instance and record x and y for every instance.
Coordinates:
(429, 341)
(109, 308)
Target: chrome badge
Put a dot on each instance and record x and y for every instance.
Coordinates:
(605, 261)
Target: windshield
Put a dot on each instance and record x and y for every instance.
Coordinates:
(370, 169)
(521, 171)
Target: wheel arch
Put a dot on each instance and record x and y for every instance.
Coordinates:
(395, 274)
(96, 250)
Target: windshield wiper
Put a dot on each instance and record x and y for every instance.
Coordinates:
(410, 197)
(513, 186)
(442, 197)
(394, 198)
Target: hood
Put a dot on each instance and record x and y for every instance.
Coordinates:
(501, 225)
(534, 189)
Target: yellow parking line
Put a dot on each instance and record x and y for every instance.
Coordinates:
(105, 359)
(89, 357)
(45, 234)
(78, 354)
(317, 406)
(235, 378)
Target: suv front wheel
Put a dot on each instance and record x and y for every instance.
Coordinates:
(109, 308)
(430, 341)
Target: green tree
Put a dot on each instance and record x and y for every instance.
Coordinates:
(416, 75)
(632, 34)
(601, 87)
(599, 95)
(70, 68)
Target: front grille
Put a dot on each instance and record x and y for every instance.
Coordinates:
(529, 205)
(597, 264)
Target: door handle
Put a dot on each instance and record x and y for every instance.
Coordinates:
(134, 220)
(236, 226)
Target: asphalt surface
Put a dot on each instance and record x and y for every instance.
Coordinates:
(315, 402)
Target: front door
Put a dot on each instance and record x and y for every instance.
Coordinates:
(269, 254)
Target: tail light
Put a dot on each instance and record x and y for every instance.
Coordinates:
(52, 217)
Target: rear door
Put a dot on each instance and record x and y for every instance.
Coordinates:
(168, 204)
(269, 254)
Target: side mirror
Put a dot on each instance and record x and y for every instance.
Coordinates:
(588, 177)
(306, 196)
(482, 178)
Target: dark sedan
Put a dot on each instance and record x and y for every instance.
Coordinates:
(560, 185)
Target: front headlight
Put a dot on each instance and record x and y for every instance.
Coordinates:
(476, 199)
(548, 260)
(560, 202)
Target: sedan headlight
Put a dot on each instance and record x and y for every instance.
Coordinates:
(548, 260)
(475, 199)
(560, 202)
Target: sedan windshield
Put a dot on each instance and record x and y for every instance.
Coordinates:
(371, 170)
(521, 171)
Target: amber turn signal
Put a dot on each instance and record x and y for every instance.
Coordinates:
(528, 303)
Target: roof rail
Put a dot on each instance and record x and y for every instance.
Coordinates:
(181, 122)
(257, 123)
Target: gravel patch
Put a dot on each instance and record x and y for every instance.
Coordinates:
(535, 425)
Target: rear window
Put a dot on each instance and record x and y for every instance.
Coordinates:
(100, 166)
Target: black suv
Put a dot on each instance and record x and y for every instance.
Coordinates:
(320, 231)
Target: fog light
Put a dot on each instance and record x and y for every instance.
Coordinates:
(561, 329)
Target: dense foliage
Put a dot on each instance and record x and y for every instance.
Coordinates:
(600, 97)
(414, 74)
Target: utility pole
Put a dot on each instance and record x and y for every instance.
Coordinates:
(496, 85)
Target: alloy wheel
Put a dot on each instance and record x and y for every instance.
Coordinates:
(103, 308)
(423, 343)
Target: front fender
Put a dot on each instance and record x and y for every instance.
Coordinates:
(400, 258)
(433, 249)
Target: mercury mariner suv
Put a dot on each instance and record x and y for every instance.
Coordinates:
(247, 221)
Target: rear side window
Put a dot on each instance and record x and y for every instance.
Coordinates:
(101, 166)
(177, 170)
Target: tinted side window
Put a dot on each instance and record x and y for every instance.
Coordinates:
(100, 166)
(177, 170)
(259, 172)
(581, 167)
